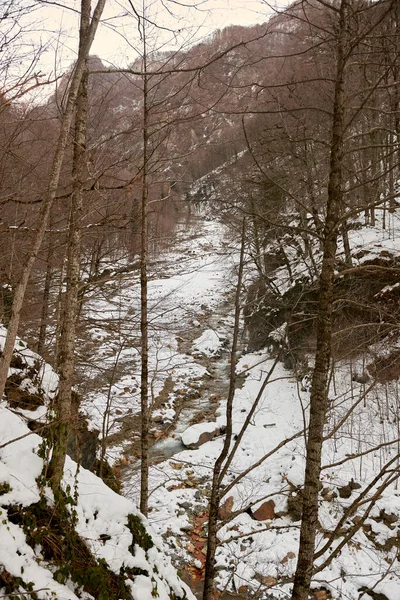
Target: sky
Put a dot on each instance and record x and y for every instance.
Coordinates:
(47, 37)
(178, 23)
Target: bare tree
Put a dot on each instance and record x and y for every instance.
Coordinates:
(66, 121)
(66, 358)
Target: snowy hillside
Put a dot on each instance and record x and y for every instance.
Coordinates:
(261, 501)
(95, 544)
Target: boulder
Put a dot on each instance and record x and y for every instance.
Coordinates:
(321, 594)
(345, 491)
(388, 518)
(328, 494)
(225, 510)
(199, 434)
(266, 580)
(265, 512)
(289, 556)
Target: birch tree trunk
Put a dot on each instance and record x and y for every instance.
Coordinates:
(320, 380)
(144, 331)
(63, 403)
(66, 121)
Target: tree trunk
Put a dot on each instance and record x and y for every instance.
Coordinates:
(84, 47)
(320, 380)
(346, 244)
(46, 298)
(144, 332)
(217, 479)
(63, 404)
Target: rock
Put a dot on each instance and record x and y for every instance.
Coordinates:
(207, 436)
(175, 465)
(345, 491)
(199, 434)
(354, 485)
(289, 556)
(321, 594)
(374, 595)
(185, 505)
(265, 512)
(360, 377)
(328, 494)
(266, 580)
(388, 518)
(225, 510)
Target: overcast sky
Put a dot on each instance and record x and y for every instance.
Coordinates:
(54, 25)
(117, 38)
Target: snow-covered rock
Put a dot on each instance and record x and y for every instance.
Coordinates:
(199, 434)
(209, 343)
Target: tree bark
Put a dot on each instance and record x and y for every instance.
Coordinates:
(63, 403)
(320, 380)
(144, 332)
(46, 298)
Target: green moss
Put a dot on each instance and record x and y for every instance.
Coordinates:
(53, 529)
(108, 476)
(5, 487)
(139, 534)
(62, 546)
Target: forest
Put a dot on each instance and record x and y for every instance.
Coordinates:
(199, 303)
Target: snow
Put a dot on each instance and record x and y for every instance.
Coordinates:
(99, 511)
(46, 380)
(192, 434)
(189, 328)
(209, 343)
(20, 465)
(250, 550)
(185, 283)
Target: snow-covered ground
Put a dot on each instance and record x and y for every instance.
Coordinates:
(258, 552)
(186, 286)
(259, 527)
(101, 516)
